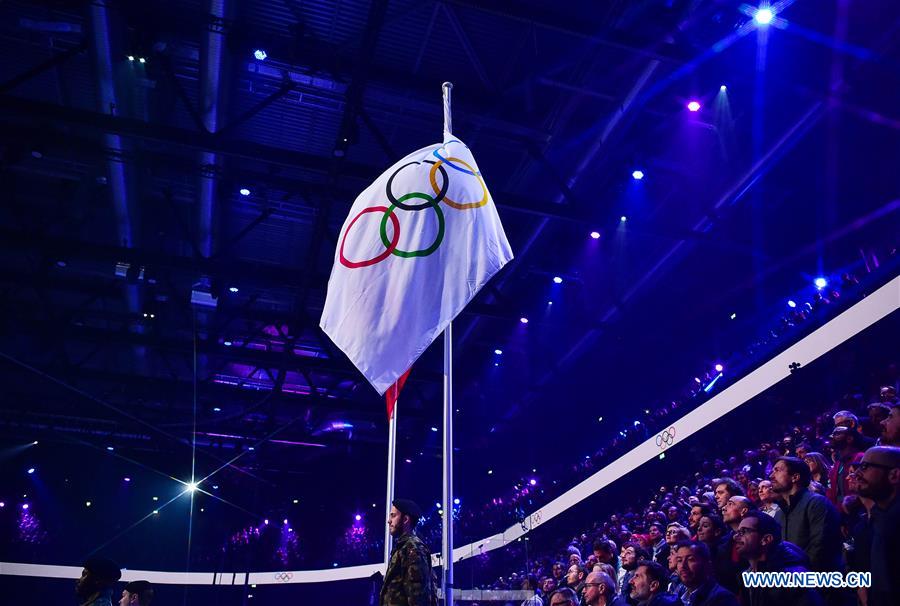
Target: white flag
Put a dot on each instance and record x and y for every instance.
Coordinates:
(417, 246)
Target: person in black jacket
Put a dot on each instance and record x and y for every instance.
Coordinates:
(878, 478)
(696, 573)
(648, 585)
(807, 520)
(759, 541)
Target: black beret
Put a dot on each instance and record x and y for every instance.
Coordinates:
(103, 568)
(137, 587)
(408, 507)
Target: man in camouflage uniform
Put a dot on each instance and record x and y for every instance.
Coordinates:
(408, 580)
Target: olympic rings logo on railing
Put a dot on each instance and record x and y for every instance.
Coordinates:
(430, 201)
(666, 438)
(284, 577)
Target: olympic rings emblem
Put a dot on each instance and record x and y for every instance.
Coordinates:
(665, 438)
(429, 202)
(284, 577)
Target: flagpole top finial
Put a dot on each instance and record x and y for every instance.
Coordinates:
(447, 85)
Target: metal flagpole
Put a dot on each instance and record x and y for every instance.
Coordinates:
(447, 530)
(391, 468)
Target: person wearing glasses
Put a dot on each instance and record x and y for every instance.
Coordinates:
(564, 596)
(758, 540)
(808, 520)
(600, 590)
(878, 540)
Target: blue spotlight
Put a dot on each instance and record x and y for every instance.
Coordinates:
(434, 429)
(523, 320)
(260, 55)
(557, 280)
(30, 470)
(498, 352)
(719, 368)
(764, 16)
(693, 106)
(233, 289)
(357, 517)
(821, 283)
(456, 501)
(637, 175)
(217, 409)
(532, 481)
(244, 191)
(623, 218)
(723, 88)
(791, 303)
(595, 235)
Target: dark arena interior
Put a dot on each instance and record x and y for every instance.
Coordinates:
(677, 276)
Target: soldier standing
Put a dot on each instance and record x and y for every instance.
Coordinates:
(408, 580)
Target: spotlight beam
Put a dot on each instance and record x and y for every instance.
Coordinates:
(133, 526)
(114, 408)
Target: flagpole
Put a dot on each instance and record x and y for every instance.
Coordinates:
(447, 530)
(391, 468)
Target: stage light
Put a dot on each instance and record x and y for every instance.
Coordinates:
(285, 521)
(127, 479)
(440, 512)
(434, 429)
(2, 504)
(764, 16)
(723, 88)
(357, 517)
(623, 218)
(131, 57)
(637, 423)
(217, 409)
(259, 54)
(110, 448)
(791, 303)
(719, 367)
(693, 106)
(25, 506)
(142, 60)
(490, 472)
(35, 443)
(821, 283)
(227, 343)
(408, 460)
(30, 470)
(192, 486)
(595, 235)
(733, 316)
(87, 503)
(498, 352)
(155, 498)
(557, 280)
(456, 501)
(156, 512)
(599, 419)
(296, 501)
(549, 302)
(215, 487)
(697, 380)
(233, 289)
(244, 191)
(251, 448)
(523, 320)
(532, 481)
(266, 522)
(637, 175)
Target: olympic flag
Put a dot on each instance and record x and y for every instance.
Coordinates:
(417, 246)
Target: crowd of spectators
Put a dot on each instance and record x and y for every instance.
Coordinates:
(824, 498)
